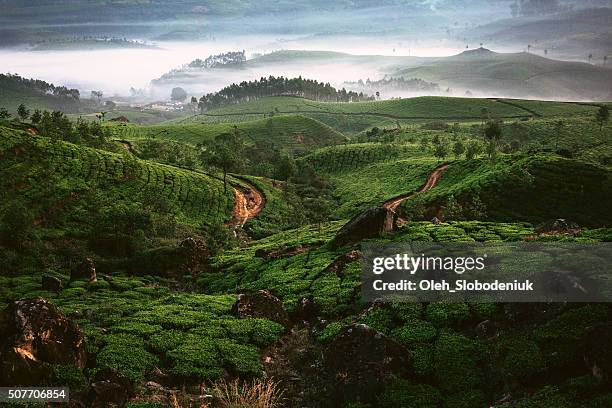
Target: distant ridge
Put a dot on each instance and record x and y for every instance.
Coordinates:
(478, 52)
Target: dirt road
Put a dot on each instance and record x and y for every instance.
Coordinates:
(394, 203)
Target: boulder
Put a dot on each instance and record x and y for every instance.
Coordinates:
(558, 226)
(260, 304)
(369, 224)
(194, 255)
(33, 334)
(360, 361)
(110, 388)
(84, 270)
(51, 283)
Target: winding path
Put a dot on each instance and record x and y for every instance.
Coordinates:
(432, 180)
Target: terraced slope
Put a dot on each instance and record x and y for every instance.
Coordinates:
(530, 188)
(358, 116)
(291, 132)
(30, 163)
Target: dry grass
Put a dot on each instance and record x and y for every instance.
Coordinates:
(256, 394)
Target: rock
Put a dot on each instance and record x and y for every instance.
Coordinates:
(435, 221)
(369, 224)
(337, 266)
(51, 283)
(84, 270)
(110, 388)
(194, 255)
(261, 304)
(33, 334)
(360, 362)
(558, 226)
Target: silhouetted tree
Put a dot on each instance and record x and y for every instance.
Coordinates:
(4, 113)
(225, 153)
(36, 116)
(492, 134)
(602, 116)
(23, 112)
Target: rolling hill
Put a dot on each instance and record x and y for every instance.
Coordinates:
(288, 132)
(38, 165)
(518, 75)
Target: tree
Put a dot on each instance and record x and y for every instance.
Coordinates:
(178, 94)
(473, 149)
(602, 116)
(225, 153)
(452, 209)
(441, 151)
(492, 134)
(4, 113)
(36, 116)
(23, 112)
(458, 148)
(97, 95)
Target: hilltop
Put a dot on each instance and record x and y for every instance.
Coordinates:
(520, 75)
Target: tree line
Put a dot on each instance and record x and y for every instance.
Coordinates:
(37, 86)
(278, 86)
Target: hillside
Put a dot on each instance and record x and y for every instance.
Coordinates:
(290, 132)
(567, 35)
(518, 75)
(553, 187)
(36, 94)
(76, 177)
(352, 118)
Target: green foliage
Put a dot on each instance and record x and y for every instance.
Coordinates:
(415, 331)
(455, 359)
(68, 376)
(447, 314)
(401, 393)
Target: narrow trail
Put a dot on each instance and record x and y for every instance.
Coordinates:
(432, 180)
(248, 203)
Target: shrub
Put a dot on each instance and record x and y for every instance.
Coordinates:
(126, 353)
(455, 363)
(415, 331)
(401, 393)
(447, 314)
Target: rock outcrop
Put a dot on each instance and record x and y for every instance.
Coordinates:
(360, 361)
(260, 304)
(33, 334)
(51, 283)
(84, 270)
(558, 226)
(369, 224)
